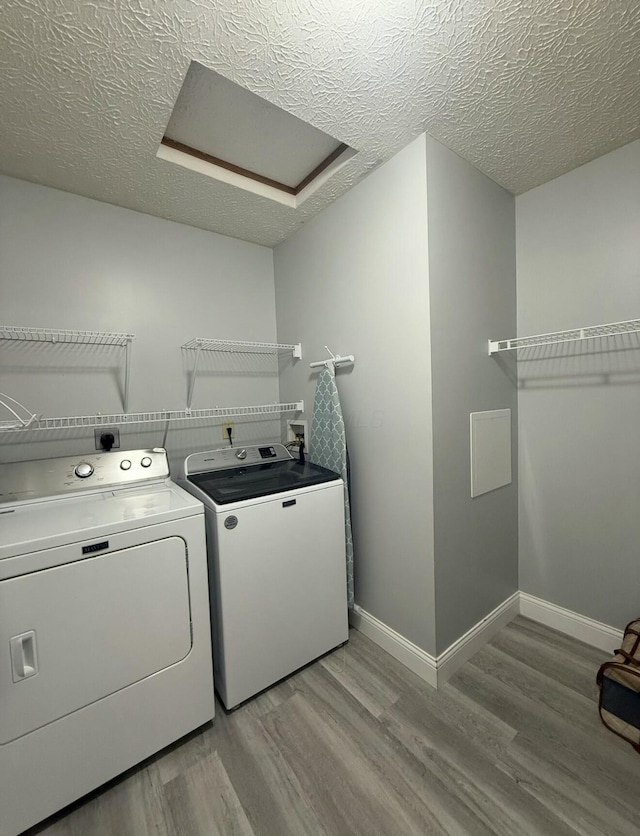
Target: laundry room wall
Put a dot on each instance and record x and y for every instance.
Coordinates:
(578, 249)
(355, 278)
(72, 263)
(473, 297)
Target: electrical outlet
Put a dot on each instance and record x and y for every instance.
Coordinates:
(101, 434)
(225, 434)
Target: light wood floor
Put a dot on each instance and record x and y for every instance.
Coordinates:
(356, 744)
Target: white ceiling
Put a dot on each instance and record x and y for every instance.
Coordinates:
(524, 89)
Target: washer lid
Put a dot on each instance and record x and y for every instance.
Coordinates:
(240, 483)
(35, 525)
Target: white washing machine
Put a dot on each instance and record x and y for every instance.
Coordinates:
(105, 652)
(276, 545)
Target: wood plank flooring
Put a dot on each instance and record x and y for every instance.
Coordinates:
(356, 744)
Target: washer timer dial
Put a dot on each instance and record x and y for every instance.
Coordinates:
(83, 470)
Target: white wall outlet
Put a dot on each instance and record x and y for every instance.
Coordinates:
(296, 428)
(225, 428)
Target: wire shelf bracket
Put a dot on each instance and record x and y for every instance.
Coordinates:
(71, 337)
(22, 418)
(590, 332)
(199, 344)
(161, 416)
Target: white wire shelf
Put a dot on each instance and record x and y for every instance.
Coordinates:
(55, 335)
(243, 347)
(199, 344)
(590, 332)
(161, 416)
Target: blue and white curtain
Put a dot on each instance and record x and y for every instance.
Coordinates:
(328, 448)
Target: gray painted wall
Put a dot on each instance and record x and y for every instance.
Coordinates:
(70, 262)
(472, 285)
(355, 278)
(578, 244)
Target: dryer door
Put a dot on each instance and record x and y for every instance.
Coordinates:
(73, 634)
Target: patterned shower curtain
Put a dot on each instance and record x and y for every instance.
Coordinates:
(328, 448)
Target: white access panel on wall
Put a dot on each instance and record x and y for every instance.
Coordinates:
(490, 450)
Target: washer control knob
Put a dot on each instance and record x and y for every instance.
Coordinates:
(83, 470)
(241, 454)
(146, 462)
(125, 464)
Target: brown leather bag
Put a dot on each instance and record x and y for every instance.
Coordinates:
(619, 682)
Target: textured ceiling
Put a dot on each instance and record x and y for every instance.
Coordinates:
(524, 89)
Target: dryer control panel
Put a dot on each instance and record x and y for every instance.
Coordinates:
(20, 481)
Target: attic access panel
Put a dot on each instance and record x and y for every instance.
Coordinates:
(222, 123)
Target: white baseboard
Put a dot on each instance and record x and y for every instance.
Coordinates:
(571, 623)
(412, 656)
(448, 662)
(433, 670)
(436, 670)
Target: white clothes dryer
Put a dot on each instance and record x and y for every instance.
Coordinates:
(105, 652)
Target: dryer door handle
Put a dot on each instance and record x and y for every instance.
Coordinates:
(24, 656)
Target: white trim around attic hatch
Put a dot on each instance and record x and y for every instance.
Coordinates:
(232, 178)
(223, 175)
(436, 670)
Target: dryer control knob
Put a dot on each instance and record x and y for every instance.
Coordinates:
(146, 462)
(83, 470)
(125, 464)
(241, 454)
